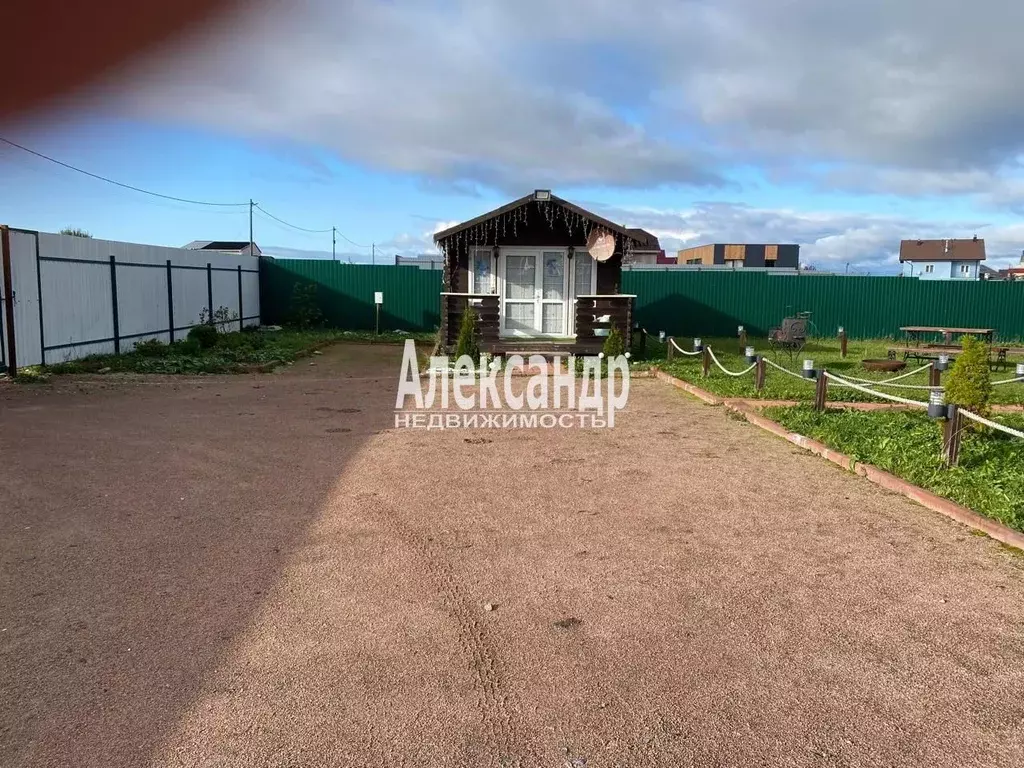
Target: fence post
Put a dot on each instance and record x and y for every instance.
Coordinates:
(951, 437)
(706, 361)
(241, 314)
(8, 301)
(820, 391)
(842, 342)
(209, 291)
(743, 336)
(170, 303)
(669, 352)
(759, 372)
(113, 306)
(934, 376)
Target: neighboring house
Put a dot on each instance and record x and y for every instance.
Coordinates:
(541, 273)
(742, 255)
(650, 252)
(236, 247)
(423, 261)
(942, 259)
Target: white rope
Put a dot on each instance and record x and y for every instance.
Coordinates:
(894, 378)
(682, 351)
(1007, 381)
(786, 370)
(728, 372)
(899, 386)
(885, 396)
(995, 425)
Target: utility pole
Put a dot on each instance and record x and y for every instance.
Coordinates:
(251, 248)
(334, 240)
(373, 253)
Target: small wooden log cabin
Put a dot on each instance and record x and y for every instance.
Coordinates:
(526, 270)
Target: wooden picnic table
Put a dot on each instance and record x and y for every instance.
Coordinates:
(915, 332)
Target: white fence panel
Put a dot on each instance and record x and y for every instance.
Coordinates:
(66, 292)
(25, 284)
(190, 299)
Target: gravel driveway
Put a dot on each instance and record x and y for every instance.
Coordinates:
(261, 570)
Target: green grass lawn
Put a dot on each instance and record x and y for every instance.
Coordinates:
(237, 352)
(779, 386)
(988, 479)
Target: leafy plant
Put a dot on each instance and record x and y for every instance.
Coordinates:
(220, 318)
(152, 348)
(75, 232)
(204, 335)
(305, 310)
(467, 343)
(969, 384)
(613, 344)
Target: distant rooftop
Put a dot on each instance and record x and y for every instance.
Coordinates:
(223, 246)
(942, 250)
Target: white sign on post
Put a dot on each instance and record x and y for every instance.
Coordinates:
(378, 297)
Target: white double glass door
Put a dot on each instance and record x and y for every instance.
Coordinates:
(536, 287)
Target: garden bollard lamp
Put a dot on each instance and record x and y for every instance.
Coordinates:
(943, 363)
(809, 372)
(937, 404)
(661, 336)
(750, 354)
(1020, 369)
(697, 346)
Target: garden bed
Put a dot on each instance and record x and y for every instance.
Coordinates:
(988, 479)
(237, 352)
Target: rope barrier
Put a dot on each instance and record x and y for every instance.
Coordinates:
(894, 378)
(885, 396)
(995, 425)
(726, 371)
(786, 370)
(681, 350)
(1007, 381)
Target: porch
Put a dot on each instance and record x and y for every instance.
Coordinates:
(593, 318)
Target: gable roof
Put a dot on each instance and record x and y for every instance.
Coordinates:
(632, 234)
(646, 240)
(942, 250)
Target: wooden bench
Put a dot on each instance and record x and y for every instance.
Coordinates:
(932, 352)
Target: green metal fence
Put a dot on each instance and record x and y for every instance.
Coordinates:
(711, 303)
(345, 293)
(698, 303)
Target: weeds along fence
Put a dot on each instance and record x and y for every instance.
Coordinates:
(714, 303)
(67, 297)
(345, 293)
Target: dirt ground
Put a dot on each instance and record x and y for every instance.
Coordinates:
(261, 570)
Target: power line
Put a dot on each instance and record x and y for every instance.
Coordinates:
(293, 226)
(118, 183)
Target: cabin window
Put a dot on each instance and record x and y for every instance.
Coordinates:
(584, 271)
(482, 272)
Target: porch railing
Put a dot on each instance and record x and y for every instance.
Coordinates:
(597, 315)
(453, 307)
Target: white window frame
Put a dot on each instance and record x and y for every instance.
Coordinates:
(473, 287)
(929, 268)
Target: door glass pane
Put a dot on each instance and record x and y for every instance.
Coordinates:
(584, 270)
(519, 317)
(521, 274)
(551, 319)
(483, 280)
(554, 275)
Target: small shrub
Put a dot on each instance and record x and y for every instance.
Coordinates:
(613, 344)
(152, 348)
(969, 384)
(190, 347)
(204, 335)
(305, 311)
(467, 343)
(240, 340)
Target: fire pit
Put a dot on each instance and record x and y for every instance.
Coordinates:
(888, 366)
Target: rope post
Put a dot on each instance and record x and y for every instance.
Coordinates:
(934, 376)
(820, 391)
(671, 348)
(951, 437)
(842, 342)
(743, 336)
(706, 361)
(643, 341)
(759, 374)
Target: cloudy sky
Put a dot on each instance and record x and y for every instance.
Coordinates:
(841, 126)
